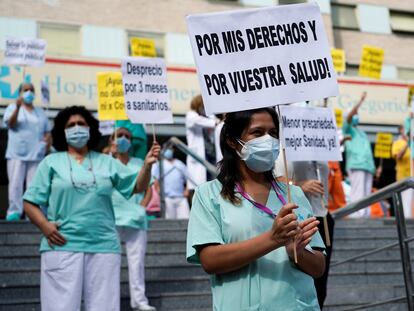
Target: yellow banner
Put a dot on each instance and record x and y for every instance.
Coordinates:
(410, 96)
(383, 145)
(110, 96)
(339, 116)
(143, 47)
(371, 62)
(338, 59)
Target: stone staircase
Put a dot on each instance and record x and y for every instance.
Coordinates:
(172, 284)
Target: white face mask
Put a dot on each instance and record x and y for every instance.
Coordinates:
(260, 153)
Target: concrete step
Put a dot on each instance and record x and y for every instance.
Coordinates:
(153, 287)
(359, 294)
(24, 277)
(154, 260)
(28, 250)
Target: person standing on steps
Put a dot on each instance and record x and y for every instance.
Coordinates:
(359, 160)
(28, 140)
(80, 249)
(242, 230)
(131, 221)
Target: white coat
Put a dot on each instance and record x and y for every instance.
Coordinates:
(194, 124)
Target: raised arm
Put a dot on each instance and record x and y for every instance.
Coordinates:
(354, 110)
(144, 175)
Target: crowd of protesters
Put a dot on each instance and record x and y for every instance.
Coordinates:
(86, 200)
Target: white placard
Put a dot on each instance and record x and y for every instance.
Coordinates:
(145, 90)
(309, 134)
(261, 57)
(106, 127)
(28, 52)
(45, 92)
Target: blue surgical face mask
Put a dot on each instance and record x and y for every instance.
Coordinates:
(355, 120)
(123, 144)
(77, 136)
(168, 154)
(28, 97)
(260, 153)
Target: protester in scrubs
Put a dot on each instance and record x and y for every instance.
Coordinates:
(359, 160)
(195, 122)
(131, 221)
(242, 229)
(402, 155)
(175, 191)
(80, 250)
(27, 143)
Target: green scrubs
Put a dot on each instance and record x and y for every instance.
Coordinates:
(358, 150)
(128, 212)
(271, 282)
(80, 202)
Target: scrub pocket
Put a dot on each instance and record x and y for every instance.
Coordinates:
(57, 261)
(21, 147)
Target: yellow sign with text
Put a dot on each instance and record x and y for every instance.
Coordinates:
(339, 116)
(371, 62)
(338, 59)
(411, 96)
(383, 145)
(143, 47)
(110, 96)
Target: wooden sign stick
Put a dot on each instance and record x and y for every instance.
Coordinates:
(154, 139)
(295, 255)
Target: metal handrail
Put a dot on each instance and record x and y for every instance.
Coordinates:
(184, 148)
(394, 190)
(380, 195)
(174, 141)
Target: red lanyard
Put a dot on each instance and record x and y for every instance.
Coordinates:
(260, 206)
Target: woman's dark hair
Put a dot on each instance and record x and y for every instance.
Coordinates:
(234, 125)
(58, 131)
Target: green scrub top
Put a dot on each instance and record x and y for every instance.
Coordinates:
(128, 212)
(81, 202)
(271, 282)
(358, 150)
(407, 129)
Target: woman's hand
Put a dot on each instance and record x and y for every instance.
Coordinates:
(52, 234)
(307, 229)
(312, 186)
(153, 154)
(285, 225)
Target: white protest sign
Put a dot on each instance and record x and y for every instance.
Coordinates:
(29, 52)
(309, 134)
(145, 90)
(261, 57)
(45, 92)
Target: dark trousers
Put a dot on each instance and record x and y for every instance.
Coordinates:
(321, 283)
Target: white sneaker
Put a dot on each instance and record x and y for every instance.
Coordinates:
(145, 308)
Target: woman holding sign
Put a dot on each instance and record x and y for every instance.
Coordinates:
(242, 230)
(80, 250)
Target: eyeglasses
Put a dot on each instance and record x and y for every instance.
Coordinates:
(83, 186)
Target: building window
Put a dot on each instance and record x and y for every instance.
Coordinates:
(159, 39)
(344, 16)
(406, 74)
(61, 39)
(402, 21)
(352, 70)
